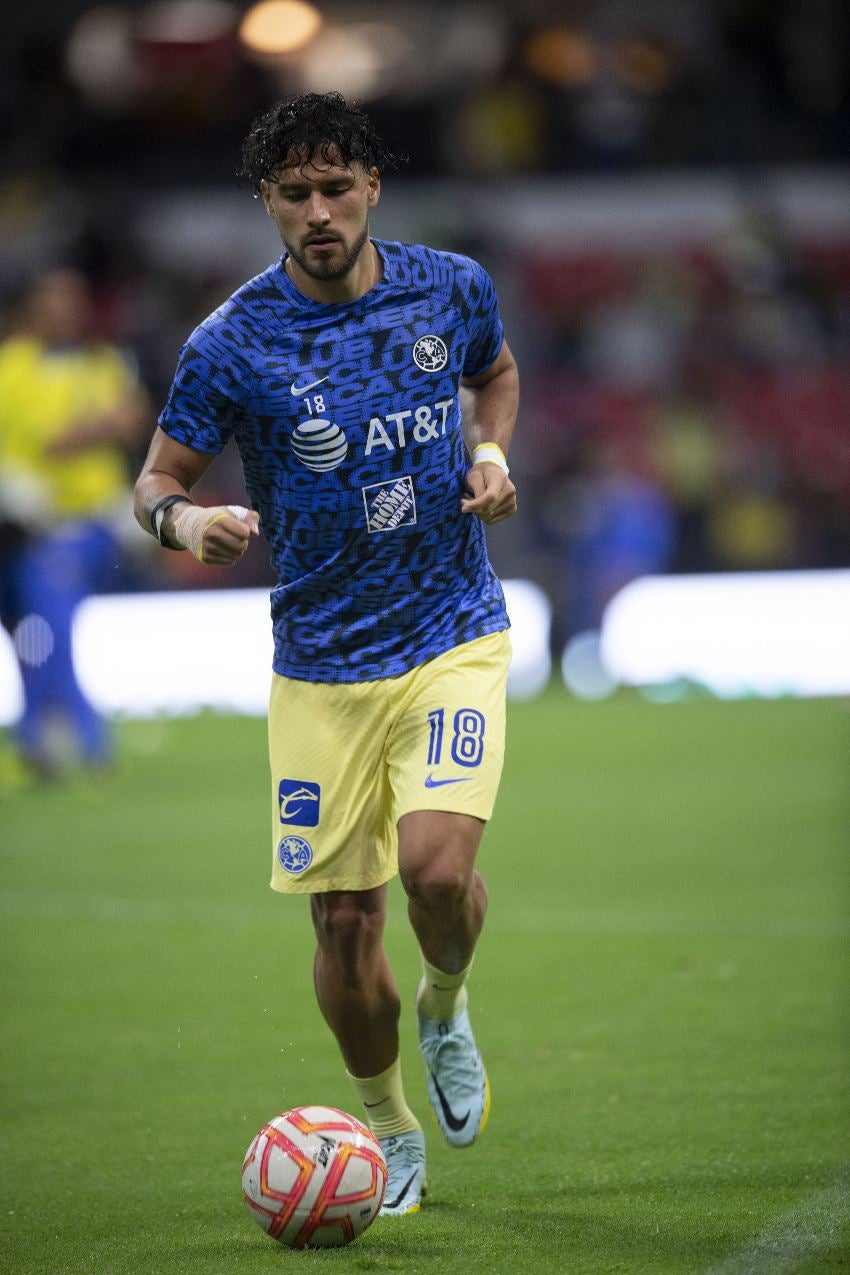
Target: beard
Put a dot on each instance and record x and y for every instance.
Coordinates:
(328, 269)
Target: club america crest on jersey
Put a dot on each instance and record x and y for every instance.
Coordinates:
(318, 444)
(430, 354)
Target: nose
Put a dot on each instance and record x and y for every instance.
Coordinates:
(318, 213)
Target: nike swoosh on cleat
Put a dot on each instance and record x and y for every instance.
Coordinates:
(451, 1119)
(297, 390)
(393, 1204)
(431, 782)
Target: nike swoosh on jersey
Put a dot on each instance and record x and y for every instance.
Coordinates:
(297, 390)
(431, 782)
(454, 1122)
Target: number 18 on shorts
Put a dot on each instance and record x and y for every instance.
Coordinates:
(349, 759)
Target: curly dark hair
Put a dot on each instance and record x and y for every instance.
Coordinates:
(315, 124)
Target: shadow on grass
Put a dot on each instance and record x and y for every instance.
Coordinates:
(387, 1245)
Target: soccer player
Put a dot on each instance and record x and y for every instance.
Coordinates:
(71, 409)
(338, 371)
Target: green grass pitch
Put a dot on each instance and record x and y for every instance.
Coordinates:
(660, 996)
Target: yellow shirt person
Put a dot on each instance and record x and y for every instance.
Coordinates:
(70, 407)
(45, 393)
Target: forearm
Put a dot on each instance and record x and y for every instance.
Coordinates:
(489, 491)
(170, 470)
(217, 535)
(496, 401)
(153, 486)
(496, 405)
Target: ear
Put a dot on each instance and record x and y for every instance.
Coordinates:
(373, 188)
(265, 191)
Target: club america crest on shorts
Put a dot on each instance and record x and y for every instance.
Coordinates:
(294, 855)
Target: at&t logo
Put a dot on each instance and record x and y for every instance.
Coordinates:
(319, 444)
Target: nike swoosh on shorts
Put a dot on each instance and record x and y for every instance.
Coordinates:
(431, 782)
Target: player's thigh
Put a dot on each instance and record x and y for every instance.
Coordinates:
(437, 850)
(447, 745)
(330, 791)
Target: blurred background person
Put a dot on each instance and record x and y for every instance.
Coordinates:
(71, 407)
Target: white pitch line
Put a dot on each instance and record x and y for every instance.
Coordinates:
(808, 1230)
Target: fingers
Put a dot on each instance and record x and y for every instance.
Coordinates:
(217, 536)
(492, 494)
(499, 514)
(227, 536)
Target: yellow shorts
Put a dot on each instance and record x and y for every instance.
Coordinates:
(349, 759)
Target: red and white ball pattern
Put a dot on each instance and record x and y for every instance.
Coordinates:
(314, 1177)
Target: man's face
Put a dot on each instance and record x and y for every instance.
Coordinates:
(322, 213)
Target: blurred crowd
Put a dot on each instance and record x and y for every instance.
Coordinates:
(689, 411)
(157, 89)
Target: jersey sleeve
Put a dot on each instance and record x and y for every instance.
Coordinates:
(206, 401)
(484, 324)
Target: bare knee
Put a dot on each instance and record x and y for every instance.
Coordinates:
(437, 860)
(438, 884)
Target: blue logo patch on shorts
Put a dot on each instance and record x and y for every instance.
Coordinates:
(294, 854)
(298, 802)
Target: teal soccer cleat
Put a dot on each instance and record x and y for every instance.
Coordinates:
(457, 1082)
(405, 1156)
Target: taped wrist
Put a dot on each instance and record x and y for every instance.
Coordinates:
(492, 453)
(190, 525)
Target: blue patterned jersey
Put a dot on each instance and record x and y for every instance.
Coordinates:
(348, 422)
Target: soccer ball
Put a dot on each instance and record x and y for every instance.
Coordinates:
(314, 1178)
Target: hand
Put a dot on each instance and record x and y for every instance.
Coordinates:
(217, 536)
(492, 495)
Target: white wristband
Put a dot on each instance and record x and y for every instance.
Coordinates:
(492, 453)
